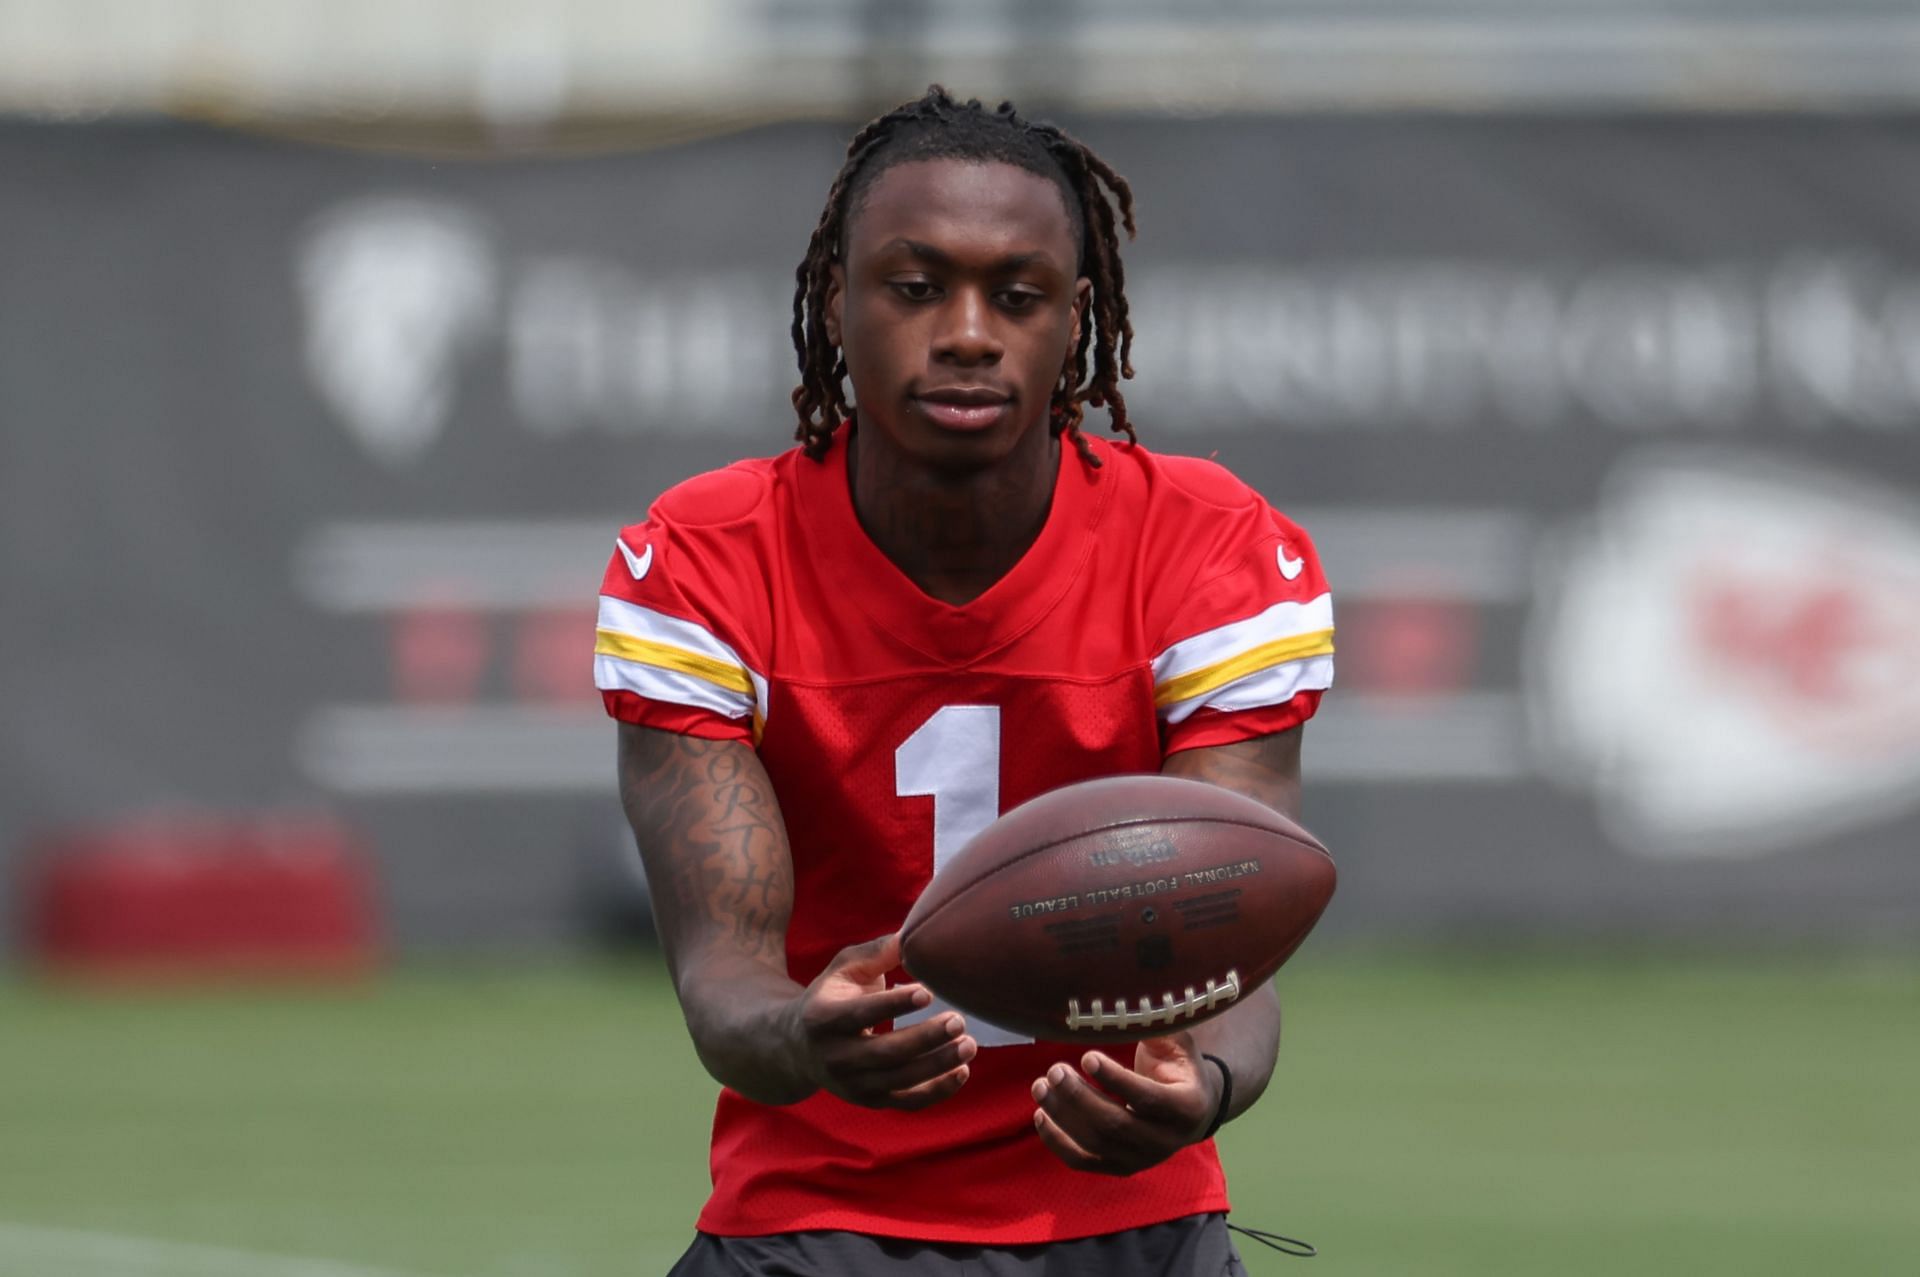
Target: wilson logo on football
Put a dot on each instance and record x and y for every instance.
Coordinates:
(1730, 653)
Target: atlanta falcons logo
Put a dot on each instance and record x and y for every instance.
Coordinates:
(394, 291)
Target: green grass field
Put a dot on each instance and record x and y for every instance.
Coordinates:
(1438, 1115)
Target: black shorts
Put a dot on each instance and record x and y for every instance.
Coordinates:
(1198, 1245)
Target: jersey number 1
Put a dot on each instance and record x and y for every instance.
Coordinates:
(954, 758)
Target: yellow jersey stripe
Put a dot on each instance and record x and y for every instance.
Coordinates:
(1297, 647)
(665, 656)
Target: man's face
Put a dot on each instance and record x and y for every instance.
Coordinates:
(956, 307)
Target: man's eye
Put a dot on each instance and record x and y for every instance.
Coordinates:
(1019, 299)
(914, 290)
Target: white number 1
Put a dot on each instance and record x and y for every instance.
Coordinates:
(954, 758)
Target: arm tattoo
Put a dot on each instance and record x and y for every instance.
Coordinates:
(710, 834)
(1266, 768)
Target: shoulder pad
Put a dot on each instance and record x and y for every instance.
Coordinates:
(716, 497)
(1208, 482)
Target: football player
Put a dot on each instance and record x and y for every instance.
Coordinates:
(831, 668)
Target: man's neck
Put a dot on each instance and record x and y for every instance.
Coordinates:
(954, 533)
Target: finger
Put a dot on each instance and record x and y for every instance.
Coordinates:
(1063, 1145)
(1168, 1059)
(878, 1085)
(1145, 1096)
(857, 1071)
(930, 1092)
(902, 1046)
(878, 1056)
(868, 961)
(1097, 1123)
(865, 1010)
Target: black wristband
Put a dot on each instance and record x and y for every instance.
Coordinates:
(1226, 1096)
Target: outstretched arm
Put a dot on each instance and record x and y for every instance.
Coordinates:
(1172, 1093)
(721, 876)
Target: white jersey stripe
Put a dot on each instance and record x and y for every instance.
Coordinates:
(658, 627)
(611, 674)
(1210, 647)
(1275, 685)
(759, 703)
(1234, 668)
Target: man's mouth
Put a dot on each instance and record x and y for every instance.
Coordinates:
(964, 407)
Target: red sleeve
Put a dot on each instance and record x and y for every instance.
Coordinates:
(1246, 645)
(678, 642)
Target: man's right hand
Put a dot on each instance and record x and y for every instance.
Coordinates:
(907, 1068)
(709, 831)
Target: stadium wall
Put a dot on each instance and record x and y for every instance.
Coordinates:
(1608, 429)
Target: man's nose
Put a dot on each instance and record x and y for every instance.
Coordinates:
(967, 333)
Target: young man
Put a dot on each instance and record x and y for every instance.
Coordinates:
(832, 668)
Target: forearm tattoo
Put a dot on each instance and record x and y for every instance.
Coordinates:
(1266, 769)
(710, 834)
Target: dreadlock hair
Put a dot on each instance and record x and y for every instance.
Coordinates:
(938, 127)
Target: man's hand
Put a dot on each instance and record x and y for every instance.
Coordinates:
(909, 1068)
(1124, 1119)
(1116, 1120)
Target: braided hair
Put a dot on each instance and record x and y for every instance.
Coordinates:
(938, 127)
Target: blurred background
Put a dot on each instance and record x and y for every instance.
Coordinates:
(337, 340)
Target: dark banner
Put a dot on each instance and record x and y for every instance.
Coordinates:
(1609, 432)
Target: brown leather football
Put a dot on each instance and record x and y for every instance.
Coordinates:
(1118, 909)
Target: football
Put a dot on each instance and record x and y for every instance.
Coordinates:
(1117, 909)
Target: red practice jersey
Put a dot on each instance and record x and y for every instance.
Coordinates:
(1164, 606)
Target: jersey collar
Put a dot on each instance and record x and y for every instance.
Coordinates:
(858, 572)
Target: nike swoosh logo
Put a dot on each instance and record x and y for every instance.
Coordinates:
(638, 564)
(1289, 568)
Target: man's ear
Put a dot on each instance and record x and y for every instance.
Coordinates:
(1082, 295)
(836, 290)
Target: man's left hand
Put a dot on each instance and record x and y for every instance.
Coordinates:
(1116, 1120)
